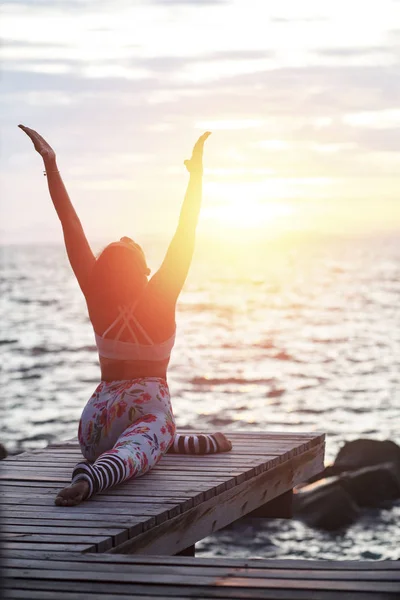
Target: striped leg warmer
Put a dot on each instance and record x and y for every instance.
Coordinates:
(108, 470)
(194, 444)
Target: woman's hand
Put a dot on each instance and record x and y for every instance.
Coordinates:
(40, 144)
(195, 164)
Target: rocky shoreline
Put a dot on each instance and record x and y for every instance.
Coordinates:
(364, 474)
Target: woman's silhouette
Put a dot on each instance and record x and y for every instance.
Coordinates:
(128, 423)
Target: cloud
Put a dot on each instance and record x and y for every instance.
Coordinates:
(28, 45)
(62, 5)
(286, 100)
(100, 97)
(350, 52)
(197, 3)
(290, 20)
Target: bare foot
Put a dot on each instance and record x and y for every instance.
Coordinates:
(73, 494)
(224, 445)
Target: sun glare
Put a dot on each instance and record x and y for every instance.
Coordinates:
(250, 215)
(248, 207)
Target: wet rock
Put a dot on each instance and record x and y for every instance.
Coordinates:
(365, 474)
(362, 453)
(365, 453)
(373, 486)
(325, 506)
(336, 502)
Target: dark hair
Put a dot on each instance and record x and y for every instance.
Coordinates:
(118, 276)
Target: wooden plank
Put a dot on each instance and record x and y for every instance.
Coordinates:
(246, 459)
(22, 482)
(97, 543)
(124, 489)
(159, 512)
(7, 545)
(238, 450)
(92, 506)
(142, 484)
(224, 580)
(174, 483)
(69, 524)
(117, 493)
(51, 595)
(65, 512)
(199, 569)
(140, 508)
(217, 473)
(29, 594)
(39, 589)
(184, 503)
(33, 477)
(159, 478)
(225, 471)
(182, 495)
(55, 458)
(191, 489)
(338, 585)
(248, 563)
(116, 535)
(209, 488)
(231, 505)
(159, 475)
(223, 459)
(134, 525)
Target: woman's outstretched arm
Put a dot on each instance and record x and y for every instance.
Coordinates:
(79, 252)
(174, 269)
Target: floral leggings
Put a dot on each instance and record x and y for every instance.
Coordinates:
(125, 429)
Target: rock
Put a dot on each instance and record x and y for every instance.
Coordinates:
(373, 486)
(365, 453)
(365, 473)
(361, 453)
(326, 506)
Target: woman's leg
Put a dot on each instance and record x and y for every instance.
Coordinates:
(129, 425)
(202, 443)
(136, 451)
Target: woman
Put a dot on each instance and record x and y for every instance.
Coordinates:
(128, 424)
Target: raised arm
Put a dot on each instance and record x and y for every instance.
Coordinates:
(174, 269)
(79, 252)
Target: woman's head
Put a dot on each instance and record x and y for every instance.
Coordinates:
(120, 273)
(137, 255)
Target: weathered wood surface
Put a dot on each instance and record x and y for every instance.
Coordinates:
(225, 508)
(112, 577)
(182, 500)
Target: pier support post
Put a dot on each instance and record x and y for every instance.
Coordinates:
(189, 551)
(280, 507)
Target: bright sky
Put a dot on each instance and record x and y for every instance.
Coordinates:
(303, 99)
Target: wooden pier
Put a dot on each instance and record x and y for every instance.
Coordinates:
(81, 552)
(181, 501)
(48, 576)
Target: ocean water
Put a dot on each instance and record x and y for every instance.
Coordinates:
(300, 336)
